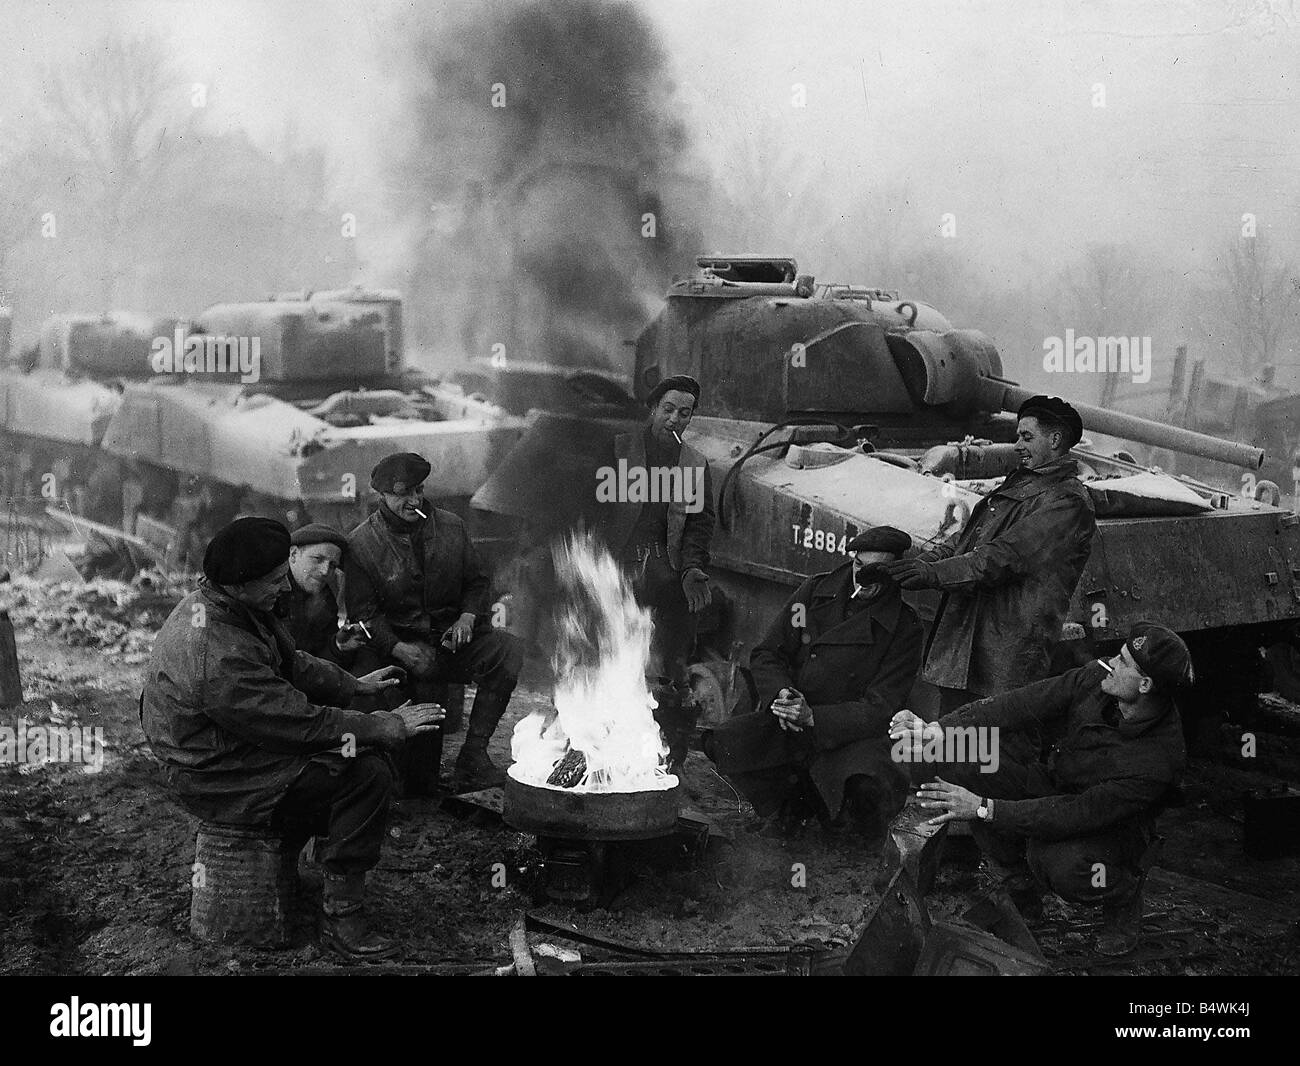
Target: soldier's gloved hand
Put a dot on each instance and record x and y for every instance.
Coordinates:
(695, 583)
(420, 659)
(913, 574)
(378, 680)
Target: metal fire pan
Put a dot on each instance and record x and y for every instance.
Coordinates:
(574, 815)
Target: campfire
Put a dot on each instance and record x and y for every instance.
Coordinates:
(601, 736)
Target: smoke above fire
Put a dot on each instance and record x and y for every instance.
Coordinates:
(602, 735)
(542, 165)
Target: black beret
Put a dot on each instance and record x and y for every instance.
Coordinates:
(1054, 409)
(678, 383)
(880, 539)
(1161, 654)
(245, 550)
(318, 533)
(407, 467)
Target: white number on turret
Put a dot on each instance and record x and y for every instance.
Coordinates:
(823, 540)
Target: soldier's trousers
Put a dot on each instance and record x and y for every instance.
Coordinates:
(345, 799)
(658, 588)
(1088, 868)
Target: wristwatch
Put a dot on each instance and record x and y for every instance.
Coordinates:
(985, 810)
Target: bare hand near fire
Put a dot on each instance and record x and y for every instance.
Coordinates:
(792, 710)
(460, 634)
(955, 802)
(907, 726)
(378, 680)
(420, 717)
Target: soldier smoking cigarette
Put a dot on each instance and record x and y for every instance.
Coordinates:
(421, 513)
(1106, 666)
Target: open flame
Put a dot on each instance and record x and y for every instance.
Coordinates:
(601, 736)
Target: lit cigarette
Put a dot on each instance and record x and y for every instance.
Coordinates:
(365, 630)
(1106, 666)
(674, 433)
(421, 513)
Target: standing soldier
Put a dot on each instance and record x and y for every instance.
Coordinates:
(1008, 576)
(415, 581)
(665, 542)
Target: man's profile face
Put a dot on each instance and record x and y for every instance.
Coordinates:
(1126, 682)
(672, 412)
(262, 592)
(312, 565)
(404, 500)
(1034, 445)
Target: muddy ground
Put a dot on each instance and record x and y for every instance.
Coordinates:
(95, 867)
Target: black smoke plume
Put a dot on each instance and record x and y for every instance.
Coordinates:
(532, 214)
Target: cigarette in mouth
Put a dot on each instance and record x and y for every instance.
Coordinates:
(421, 513)
(674, 433)
(364, 629)
(1106, 666)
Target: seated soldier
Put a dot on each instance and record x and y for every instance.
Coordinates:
(414, 579)
(837, 663)
(1081, 823)
(251, 732)
(315, 554)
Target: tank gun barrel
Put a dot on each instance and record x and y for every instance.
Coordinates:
(1004, 396)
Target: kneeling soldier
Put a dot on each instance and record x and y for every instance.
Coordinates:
(1081, 823)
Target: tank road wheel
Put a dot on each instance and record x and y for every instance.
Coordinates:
(1285, 661)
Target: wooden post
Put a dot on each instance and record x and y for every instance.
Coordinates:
(11, 684)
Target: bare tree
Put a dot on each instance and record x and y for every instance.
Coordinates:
(110, 129)
(1107, 294)
(1262, 297)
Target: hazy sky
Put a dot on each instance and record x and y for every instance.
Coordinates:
(984, 110)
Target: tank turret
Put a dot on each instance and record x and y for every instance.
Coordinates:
(824, 407)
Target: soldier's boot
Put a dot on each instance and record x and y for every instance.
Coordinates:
(344, 927)
(1121, 923)
(474, 770)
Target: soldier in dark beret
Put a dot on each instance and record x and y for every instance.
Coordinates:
(315, 555)
(414, 579)
(1007, 576)
(835, 666)
(1080, 824)
(252, 732)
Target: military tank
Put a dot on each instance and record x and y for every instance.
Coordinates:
(165, 429)
(833, 408)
